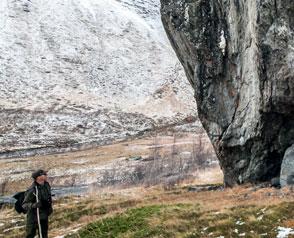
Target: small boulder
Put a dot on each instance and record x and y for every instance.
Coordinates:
(275, 182)
(135, 158)
(287, 168)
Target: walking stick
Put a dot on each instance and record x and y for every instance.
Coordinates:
(38, 213)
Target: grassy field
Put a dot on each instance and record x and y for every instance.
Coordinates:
(188, 221)
(154, 212)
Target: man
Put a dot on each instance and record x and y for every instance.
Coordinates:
(43, 204)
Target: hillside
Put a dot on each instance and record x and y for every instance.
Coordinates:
(82, 72)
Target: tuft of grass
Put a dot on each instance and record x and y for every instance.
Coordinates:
(133, 221)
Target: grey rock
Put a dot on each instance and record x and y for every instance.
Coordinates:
(246, 195)
(275, 182)
(239, 58)
(287, 168)
(135, 158)
(201, 188)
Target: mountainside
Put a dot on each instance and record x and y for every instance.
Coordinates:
(239, 57)
(82, 71)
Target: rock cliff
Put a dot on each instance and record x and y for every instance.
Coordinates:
(239, 57)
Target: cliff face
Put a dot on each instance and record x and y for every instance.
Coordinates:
(239, 57)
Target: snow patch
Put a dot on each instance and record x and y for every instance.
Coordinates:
(284, 232)
(240, 223)
(222, 43)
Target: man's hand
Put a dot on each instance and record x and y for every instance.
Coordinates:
(37, 205)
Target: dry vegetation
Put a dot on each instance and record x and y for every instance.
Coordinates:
(84, 167)
(178, 211)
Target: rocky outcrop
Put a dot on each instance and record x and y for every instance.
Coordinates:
(287, 170)
(239, 57)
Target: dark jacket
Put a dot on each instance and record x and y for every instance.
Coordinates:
(45, 198)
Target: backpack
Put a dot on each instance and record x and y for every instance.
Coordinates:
(18, 204)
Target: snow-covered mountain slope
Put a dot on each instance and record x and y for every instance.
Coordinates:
(76, 71)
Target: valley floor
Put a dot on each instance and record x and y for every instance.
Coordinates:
(128, 163)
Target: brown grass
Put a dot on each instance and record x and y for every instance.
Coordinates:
(98, 205)
(19, 170)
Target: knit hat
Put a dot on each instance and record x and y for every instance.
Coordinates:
(38, 173)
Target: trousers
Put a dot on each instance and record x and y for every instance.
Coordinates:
(32, 228)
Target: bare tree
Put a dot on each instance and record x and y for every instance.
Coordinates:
(152, 173)
(3, 186)
(199, 156)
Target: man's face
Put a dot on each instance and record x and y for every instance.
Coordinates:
(41, 179)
